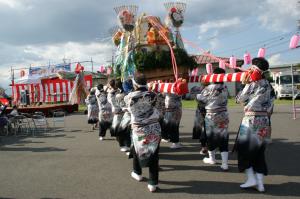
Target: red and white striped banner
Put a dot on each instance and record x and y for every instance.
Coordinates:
(229, 77)
(162, 87)
(210, 78)
(49, 90)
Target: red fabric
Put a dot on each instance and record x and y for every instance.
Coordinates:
(4, 101)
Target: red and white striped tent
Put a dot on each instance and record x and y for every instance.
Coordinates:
(49, 90)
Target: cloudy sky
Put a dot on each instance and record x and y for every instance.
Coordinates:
(36, 32)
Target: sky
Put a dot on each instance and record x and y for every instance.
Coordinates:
(39, 32)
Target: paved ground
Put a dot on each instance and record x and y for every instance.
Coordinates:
(74, 164)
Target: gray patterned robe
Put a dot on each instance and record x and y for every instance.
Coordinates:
(146, 131)
(255, 127)
(215, 96)
(91, 102)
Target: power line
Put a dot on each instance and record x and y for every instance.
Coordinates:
(255, 43)
(234, 33)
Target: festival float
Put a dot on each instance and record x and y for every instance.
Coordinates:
(148, 45)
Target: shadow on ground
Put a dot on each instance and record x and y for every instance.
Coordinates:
(205, 187)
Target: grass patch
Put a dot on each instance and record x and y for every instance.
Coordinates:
(192, 104)
(82, 108)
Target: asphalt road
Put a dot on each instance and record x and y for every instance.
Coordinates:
(73, 163)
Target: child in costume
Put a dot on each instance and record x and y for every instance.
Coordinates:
(105, 112)
(91, 102)
(214, 96)
(146, 131)
(257, 100)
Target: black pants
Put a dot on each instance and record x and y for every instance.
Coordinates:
(124, 137)
(174, 134)
(103, 126)
(164, 134)
(153, 167)
(255, 159)
(200, 133)
(171, 131)
(215, 141)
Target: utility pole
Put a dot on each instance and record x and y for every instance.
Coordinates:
(299, 19)
(12, 83)
(92, 64)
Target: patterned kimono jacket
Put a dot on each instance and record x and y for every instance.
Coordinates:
(215, 96)
(91, 102)
(105, 110)
(255, 127)
(173, 110)
(146, 131)
(116, 110)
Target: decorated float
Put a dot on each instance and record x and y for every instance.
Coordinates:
(148, 45)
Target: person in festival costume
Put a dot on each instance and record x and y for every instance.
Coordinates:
(91, 102)
(257, 99)
(215, 96)
(121, 105)
(125, 126)
(146, 131)
(172, 117)
(116, 109)
(105, 112)
(199, 125)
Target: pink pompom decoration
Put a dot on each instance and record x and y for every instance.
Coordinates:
(232, 62)
(222, 64)
(209, 68)
(247, 58)
(294, 41)
(261, 52)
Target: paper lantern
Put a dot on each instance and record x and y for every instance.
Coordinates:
(261, 52)
(222, 64)
(247, 58)
(209, 69)
(294, 41)
(232, 62)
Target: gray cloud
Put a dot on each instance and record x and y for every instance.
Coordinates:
(55, 21)
(35, 30)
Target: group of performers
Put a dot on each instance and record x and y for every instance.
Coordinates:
(140, 119)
